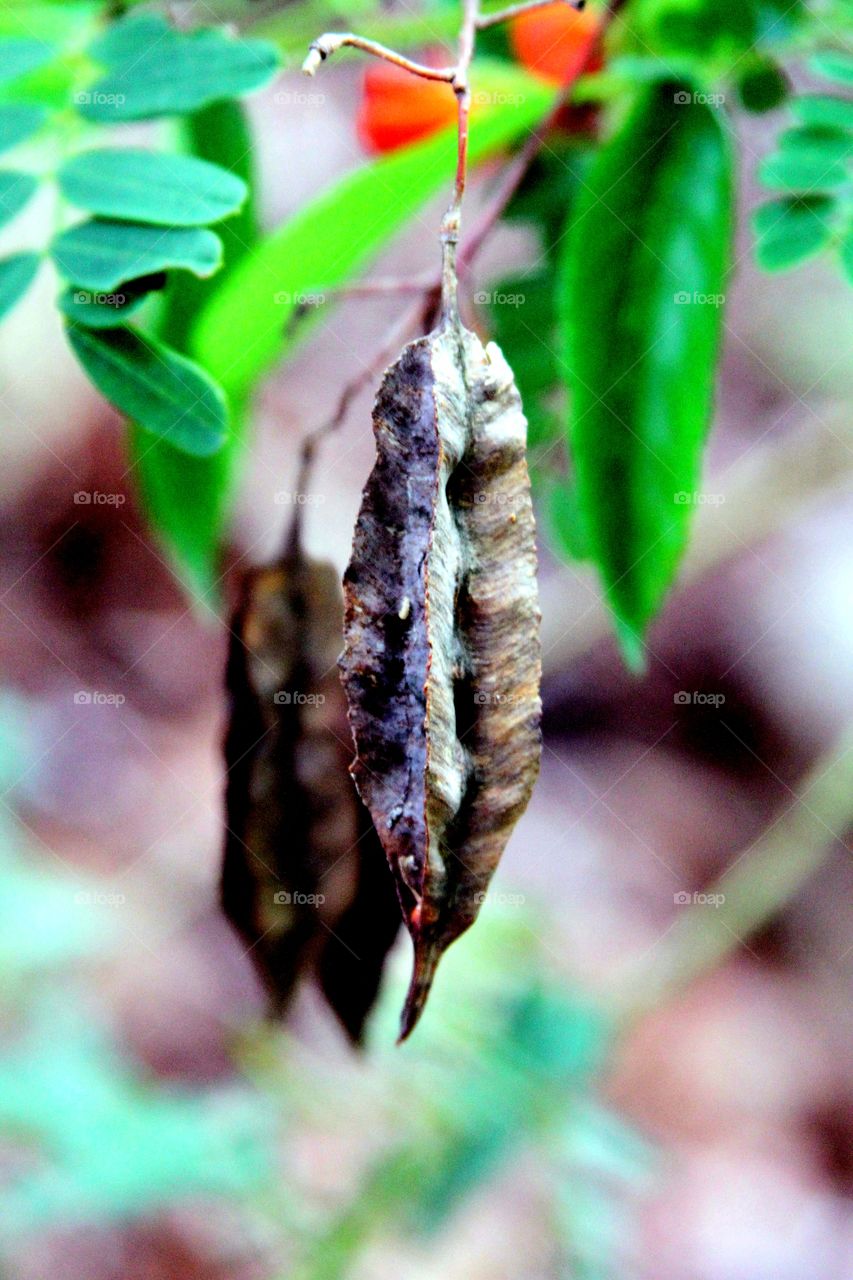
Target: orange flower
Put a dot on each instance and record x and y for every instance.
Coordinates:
(397, 108)
(556, 41)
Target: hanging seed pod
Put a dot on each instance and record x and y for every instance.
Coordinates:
(441, 662)
(299, 878)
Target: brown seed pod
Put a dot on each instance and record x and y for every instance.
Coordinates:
(303, 880)
(441, 662)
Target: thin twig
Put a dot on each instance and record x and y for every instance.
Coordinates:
(324, 46)
(487, 20)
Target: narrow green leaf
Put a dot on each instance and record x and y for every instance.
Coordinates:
(108, 310)
(834, 65)
(16, 189)
(824, 110)
(148, 186)
(19, 121)
(642, 293)
(17, 272)
(22, 54)
(186, 499)
(164, 392)
(335, 236)
(788, 232)
(157, 71)
(102, 255)
(801, 172)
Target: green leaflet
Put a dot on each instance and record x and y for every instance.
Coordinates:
(101, 255)
(155, 70)
(788, 232)
(148, 186)
(21, 54)
(186, 498)
(642, 285)
(17, 272)
(334, 237)
(164, 392)
(18, 121)
(16, 189)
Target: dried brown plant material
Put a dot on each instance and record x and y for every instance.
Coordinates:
(303, 878)
(441, 662)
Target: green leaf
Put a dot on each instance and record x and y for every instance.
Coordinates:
(102, 255)
(148, 186)
(788, 232)
(762, 86)
(847, 255)
(834, 65)
(108, 310)
(824, 111)
(642, 287)
(17, 272)
(801, 171)
(19, 121)
(335, 236)
(164, 392)
(186, 499)
(522, 311)
(22, 54)
(16, 189)
(157, 71)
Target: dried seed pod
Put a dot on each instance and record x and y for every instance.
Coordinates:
(441, 662)
(299, 878)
